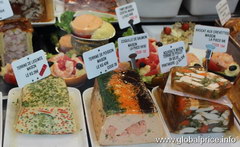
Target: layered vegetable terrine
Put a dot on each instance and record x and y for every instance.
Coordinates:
(123, 111)
(198, 82)
(45, 108)
(188, 115)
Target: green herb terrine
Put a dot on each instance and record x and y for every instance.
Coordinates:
(45, 108)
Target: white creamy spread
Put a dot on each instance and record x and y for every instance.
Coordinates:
(187, 130)
(189, 80)
(212, 86)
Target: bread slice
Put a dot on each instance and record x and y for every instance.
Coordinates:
(198, 82)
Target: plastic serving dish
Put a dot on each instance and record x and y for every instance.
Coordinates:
(158, 8)
(206, 7)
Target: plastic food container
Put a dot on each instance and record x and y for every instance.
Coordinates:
(206, 7)
(158, 8)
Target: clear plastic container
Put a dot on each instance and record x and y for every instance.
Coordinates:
(206, 7)
(158, 8)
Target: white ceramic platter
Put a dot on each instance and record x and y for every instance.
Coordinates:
(234, 132)
(1, 119)
(87, 102)
(14, 139)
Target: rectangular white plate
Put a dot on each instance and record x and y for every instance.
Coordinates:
(234, 131)
(15, 139)
(87, 104)
(1, 118)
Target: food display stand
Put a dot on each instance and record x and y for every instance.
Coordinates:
(46, 36)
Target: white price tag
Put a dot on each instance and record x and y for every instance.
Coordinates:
(127, 12)
(31, 68)
(172, 55)
(223, 11)
(100, 60)
(5, 9)
(213, 38)
(133, 44)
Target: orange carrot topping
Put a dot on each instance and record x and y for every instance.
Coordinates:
(126, 94)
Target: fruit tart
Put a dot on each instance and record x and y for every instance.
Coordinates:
(71, 69)
(8, 75)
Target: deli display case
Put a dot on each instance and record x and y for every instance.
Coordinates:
(136, 104)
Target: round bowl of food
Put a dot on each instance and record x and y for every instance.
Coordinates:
(89, 32)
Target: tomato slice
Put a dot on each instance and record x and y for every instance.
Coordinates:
(185, 123)
(213, 66)
(204, 129)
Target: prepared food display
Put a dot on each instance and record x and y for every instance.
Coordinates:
(123, 111)
(224, 64)
(92, 27)
(192, 60)
(186, 115)
(106, 6)
(198, 82)
(178, 32)
(71, 69)
(45, 108)
(34, 10)
(15, 39)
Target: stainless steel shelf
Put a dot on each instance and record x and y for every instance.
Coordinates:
(204, 18)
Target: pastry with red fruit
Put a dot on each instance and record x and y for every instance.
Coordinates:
(8, 75)
(71, 69)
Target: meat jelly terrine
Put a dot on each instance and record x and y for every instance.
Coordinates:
(123, 111)
(198, 82)
(15, 39)
(45, 108)
(188, 115)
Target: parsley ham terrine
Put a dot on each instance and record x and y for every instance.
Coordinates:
(123, 111)
(188, 115)
(45, 108)
(198, 82)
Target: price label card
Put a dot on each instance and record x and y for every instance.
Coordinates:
(223, 11)
(5, 9)
(31, 68)
(213, 38)
(133, 44)
(100, 60)
(127, 12)
(172, 55)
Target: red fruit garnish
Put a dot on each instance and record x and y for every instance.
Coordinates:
(185, 123)
(152, 47)
(61, 64)
(10, 79)
(213, 66)
(152, 72)
(167, 30)
(185, 26)
(220, 108)
(204, 129)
